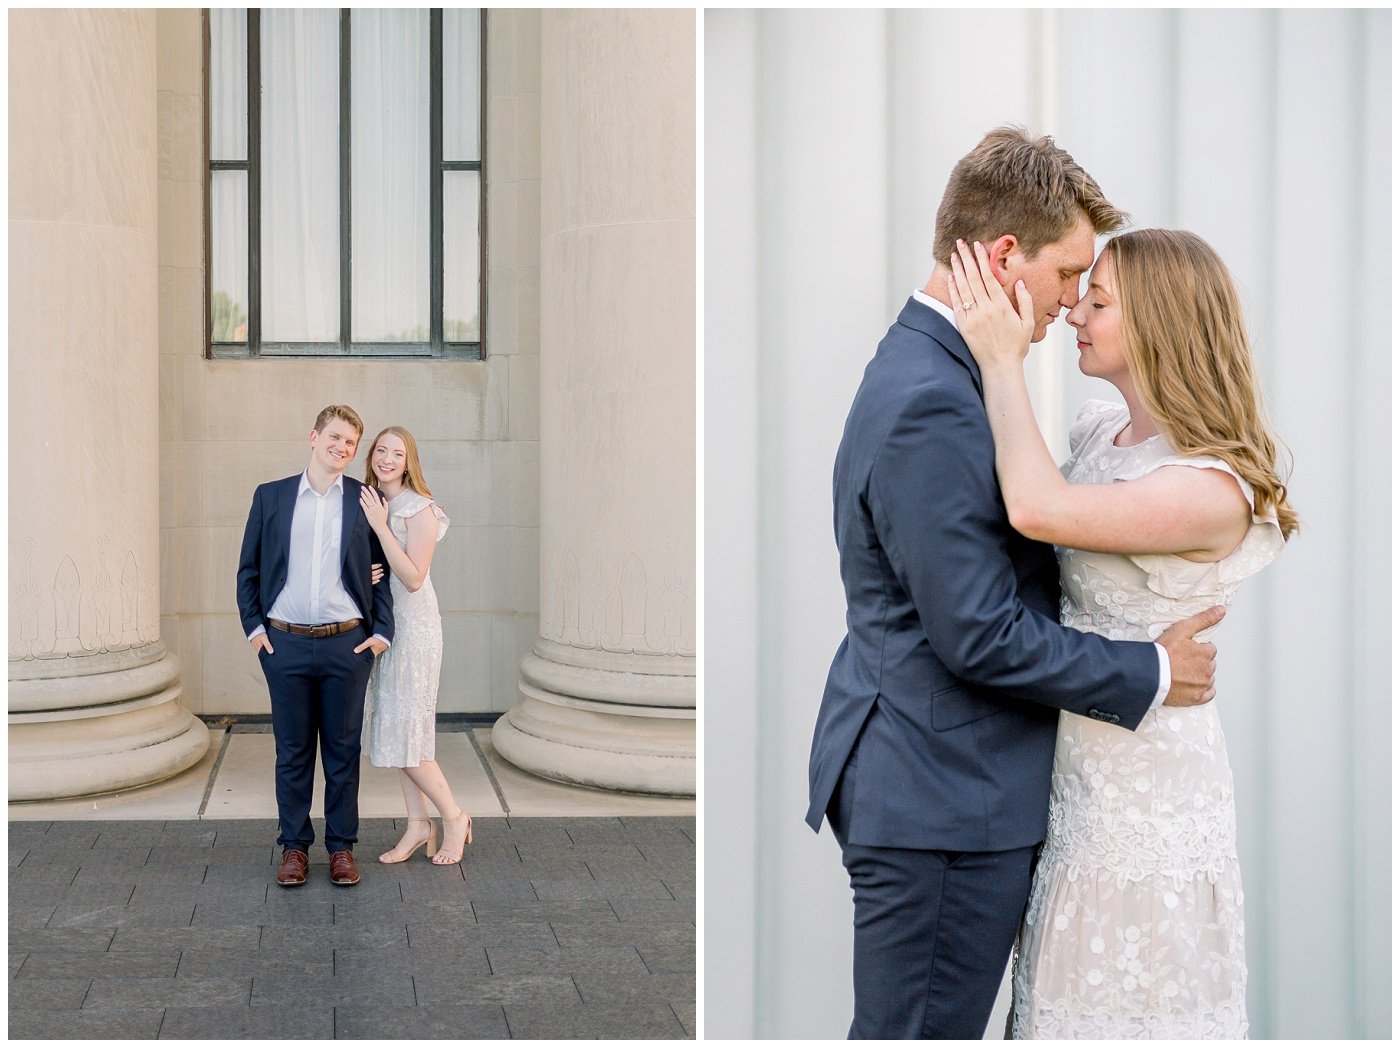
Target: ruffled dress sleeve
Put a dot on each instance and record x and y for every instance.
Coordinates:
(1093, 416)
(413, 504)
(1175, 577)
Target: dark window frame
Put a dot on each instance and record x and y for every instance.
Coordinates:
(437, 347)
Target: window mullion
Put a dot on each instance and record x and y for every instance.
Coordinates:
(254, 181)
(482, 143)
(346, 335)
(206, 34)
(435, 179)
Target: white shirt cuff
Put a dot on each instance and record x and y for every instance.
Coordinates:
(1164, 660)
(387, 645)
(257, 632)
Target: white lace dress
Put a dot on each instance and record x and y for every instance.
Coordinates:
(400, 705)
(1135, 926)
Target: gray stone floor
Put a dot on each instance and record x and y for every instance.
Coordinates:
(575, 927)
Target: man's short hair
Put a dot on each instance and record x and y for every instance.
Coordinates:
(1028, 187)
(342, 412)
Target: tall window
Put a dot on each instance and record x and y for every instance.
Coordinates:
(345, 204)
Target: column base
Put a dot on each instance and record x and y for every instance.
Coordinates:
(140, 737)
(610, 745)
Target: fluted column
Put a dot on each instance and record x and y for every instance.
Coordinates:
(607, 696)
(93, 693)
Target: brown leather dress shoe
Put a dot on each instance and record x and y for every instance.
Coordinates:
(293, 869)
(344, 872)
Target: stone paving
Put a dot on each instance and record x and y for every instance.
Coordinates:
(579, 927)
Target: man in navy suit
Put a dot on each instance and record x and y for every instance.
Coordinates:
(304, 579)
(932, 751)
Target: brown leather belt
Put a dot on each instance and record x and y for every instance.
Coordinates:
(328, 630)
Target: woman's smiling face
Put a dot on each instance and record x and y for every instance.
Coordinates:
(389, 458)
(1098, 320)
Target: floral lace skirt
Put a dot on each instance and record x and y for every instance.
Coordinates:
(1135, 927)
(400, 725)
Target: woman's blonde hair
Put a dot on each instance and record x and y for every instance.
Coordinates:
(1189, 357)
(412, 468)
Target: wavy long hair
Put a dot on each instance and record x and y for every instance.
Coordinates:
(412, 468)
(1189, 356)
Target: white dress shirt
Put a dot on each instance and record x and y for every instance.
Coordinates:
(314, 594)
(1164, 662)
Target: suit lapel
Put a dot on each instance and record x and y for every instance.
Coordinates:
(282, 517)
(349, 510)
(921, 318)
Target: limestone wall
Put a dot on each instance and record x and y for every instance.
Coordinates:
(227, 425)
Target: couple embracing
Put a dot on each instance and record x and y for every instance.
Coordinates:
(328, 630)
(1017, 737)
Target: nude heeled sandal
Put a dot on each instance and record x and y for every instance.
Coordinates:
(390, 857)
(444, 857)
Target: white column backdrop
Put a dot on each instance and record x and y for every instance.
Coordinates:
(828, 138)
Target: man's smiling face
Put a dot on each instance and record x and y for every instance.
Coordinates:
(333, 447)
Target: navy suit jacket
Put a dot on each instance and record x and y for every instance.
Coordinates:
(944, 696)
(262, 563)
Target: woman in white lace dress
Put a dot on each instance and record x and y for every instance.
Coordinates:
(400, 707)
(1135, 924)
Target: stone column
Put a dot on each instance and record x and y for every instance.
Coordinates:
(93, 692)
(607, 696)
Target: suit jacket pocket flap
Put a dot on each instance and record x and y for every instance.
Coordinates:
(954, 706)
